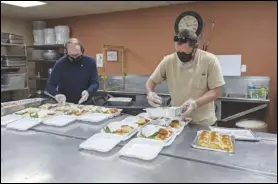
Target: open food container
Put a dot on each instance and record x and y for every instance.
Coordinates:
(164, 111)
(158, 133)
(140, 121)
(126, 130)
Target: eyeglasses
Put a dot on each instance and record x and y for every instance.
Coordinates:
(180, 41)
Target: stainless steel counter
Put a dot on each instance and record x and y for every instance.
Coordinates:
(258, 157)
(41, 157)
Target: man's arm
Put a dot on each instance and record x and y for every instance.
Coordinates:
(158, 76)
(150, 86)
(94, 81)
(54, 79)
(215, 81)
(208, 97)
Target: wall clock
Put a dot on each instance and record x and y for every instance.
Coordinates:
(191, 20)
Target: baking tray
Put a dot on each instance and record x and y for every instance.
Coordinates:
(14, 106)
(195, 145)
(4, 40)
(239, 134)
(13, 61)
(119, 101)
(16, 41)
(11, 36)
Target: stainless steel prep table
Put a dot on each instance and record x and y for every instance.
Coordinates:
(258, 157)
(40, 157)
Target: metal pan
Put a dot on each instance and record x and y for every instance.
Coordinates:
(195, 144)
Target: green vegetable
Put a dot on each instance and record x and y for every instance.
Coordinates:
(21, 113)
(150, 137)
(107, 130)
(34, 115)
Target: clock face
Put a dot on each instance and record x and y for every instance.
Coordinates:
(188, 22)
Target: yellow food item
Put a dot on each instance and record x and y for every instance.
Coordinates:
(142, 121)
(124, 130)
(175, 124)
(216, 141)
(163, 134)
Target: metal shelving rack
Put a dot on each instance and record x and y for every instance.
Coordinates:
(5, 68)
(42, 78)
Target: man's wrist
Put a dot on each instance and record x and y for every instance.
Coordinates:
(196, 103)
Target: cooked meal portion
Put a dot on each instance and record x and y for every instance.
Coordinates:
(35, 113)
(124, 129)
(48, 106)
(142, 121)
(155, 132)
(175, 124)
(216, 141)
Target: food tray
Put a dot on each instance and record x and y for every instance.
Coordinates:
(119, 101)
(195, 144)
(135, 119)
(9, 119)
(23, 124)
(165, 122)
(127, 136)
(47, 116)
(60, 120)
(164, 111)
(167, 141)
(145, 149)
(101, 142)
(239, 134)
(93, 117)
(20, 102)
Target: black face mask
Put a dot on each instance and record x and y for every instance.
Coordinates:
(185, 57)
(75, 59)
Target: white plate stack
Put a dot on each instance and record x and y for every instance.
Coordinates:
(38, 32)
(62, 34)
(49, 36)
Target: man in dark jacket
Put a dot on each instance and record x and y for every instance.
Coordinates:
(74, 77)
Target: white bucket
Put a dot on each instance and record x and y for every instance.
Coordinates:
(38, 37)
(39, 25)
(49, 36)
(62, 34)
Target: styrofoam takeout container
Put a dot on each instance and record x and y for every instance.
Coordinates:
(101, 142)
(145, 149)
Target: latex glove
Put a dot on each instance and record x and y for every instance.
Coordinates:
(61, 99)
(84, 97)
(189, 106)
(154, 100)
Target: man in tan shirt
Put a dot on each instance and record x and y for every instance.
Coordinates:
(194, 79)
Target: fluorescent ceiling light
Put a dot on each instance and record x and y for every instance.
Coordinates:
(24, 4)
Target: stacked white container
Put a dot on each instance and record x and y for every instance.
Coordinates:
(49, 36)
(62, 34)
(38, 32)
